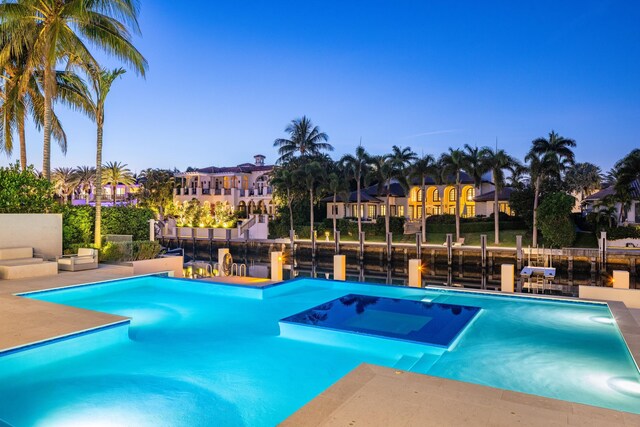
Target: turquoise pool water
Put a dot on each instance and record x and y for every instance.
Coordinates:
(206, 354)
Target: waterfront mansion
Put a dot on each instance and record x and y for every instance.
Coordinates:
(244, 187)
(440, 199)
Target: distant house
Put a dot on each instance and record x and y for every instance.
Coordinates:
(125, 195)
(245, 187)
(440, 199)
(632, 216)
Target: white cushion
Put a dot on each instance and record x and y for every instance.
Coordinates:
(15, 253)
(86, 252)
(21, 261)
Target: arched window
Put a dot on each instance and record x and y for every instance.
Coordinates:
(471, 193)
(436, 195)
(452, 195)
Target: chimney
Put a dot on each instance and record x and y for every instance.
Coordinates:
(259, 158)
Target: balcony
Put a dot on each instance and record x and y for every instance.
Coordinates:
(206, 191)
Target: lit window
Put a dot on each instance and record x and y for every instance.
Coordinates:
(436, 195)
(471, 193)
(400, 210)
(372, 211)
(226, 183)
(383, 210)
(471, 211)
(452, 195)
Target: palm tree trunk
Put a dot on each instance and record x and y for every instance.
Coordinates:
(48, 95)
(496, 214)
(358, 207)
(457, 209)
(386, 214)
(23, 142)
(97, 232)
(424, 211)
(290, 203)
(311, 212)
(534, 241)
(335, 220)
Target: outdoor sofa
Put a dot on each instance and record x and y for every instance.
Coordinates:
(20, 263)
(86, 259)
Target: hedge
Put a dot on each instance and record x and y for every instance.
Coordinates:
(129, 251)
(625, 232)
(78, 223)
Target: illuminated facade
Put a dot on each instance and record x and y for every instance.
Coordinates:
(245, 188)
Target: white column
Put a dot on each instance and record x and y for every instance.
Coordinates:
(415, 273)
(276, 266)
(507, 275)
(620, 279)
(221, 253)
(339, 267)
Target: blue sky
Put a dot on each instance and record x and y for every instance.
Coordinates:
(225, 78)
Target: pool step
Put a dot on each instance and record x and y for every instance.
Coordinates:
(425, 363)
(406, 362)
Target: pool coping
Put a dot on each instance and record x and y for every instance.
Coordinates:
(376, 395)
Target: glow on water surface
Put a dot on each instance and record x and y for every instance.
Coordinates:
(203, 354)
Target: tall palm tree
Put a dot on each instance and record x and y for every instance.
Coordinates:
(454, 162)
(86, 178)
(115, 173)
(548, 157)
(304, 138)
(422, 169)
(356, 166)
(64, 182)
(497, 161)
(93, 101)
(58, 30)
(284, 183)
(403, 157)
(312, 175)
(20, 99)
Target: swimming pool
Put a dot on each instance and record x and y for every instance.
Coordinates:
(197, 353)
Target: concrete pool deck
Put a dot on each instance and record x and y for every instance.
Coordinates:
(370, 395)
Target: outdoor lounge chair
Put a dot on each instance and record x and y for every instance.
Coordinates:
(86, 259)
(20, 263)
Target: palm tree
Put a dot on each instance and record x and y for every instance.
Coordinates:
(304, 138)
(584, 178)
(57, 30)
(383, 170)
(337, 185)
(64, 182)
(475, 163)
(423, 168)
(115, 173)
(548, 157)
(284, 182)
(19, 99)
(85, 176)
(454, 162)
(312, 175)
(356, 167)
(93, 104)
(497, 161)
(403, 157)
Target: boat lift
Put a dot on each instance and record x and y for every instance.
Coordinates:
(539, 273)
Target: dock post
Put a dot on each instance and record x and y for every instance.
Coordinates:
(620, 279)
(361, 254)
(336, 239)
(519, 252)
(389, 246)
(507, 275)
(415, 273)
(449, 249)
(483, 250)
(339, 267)
(313, 244)
(603, 243)
(419, 245)
(276, 266)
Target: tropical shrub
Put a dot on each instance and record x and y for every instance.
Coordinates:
(22, 191)
(129, 251)
(626, 232)
(554, 220)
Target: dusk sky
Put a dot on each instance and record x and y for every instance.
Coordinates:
(225, 78)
